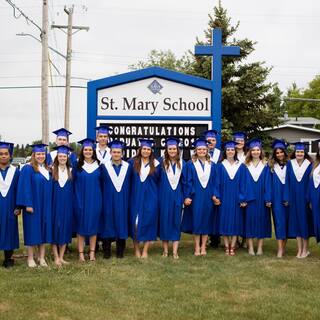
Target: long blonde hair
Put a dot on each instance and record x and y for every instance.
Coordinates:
(35, 165)
(249, 157)
(195, 156)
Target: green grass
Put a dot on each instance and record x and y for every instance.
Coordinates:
(240, 287)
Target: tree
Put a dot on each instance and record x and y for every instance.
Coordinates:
(249, 101)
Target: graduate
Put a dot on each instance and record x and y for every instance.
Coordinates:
(35, 196)
(88, 197)
(116, 175)
(230, 196)
(258, 217)
(62, 139)
(171, 196)
(276, 196)
(9, 235)
(300, 224)
(211, 137)
(240, 138)
(198, 217)
(143, 221)
(62, 204)
(102, 149)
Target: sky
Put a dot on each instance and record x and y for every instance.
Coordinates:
(123, 32)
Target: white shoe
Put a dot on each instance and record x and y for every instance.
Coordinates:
(42, 263)
(31, 263)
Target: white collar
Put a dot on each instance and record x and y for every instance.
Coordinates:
(63, 176)
(44, 171)
(90, 167)
(316, 176)
(174, 177)
(299, 170)
(256, 171)
(145, 169)
(280, 172)
(117, 180)
(53, 154)
(216, 155)
(203, 175)
(103, 157)
(231, 168)
(5, 184)
(241, 156)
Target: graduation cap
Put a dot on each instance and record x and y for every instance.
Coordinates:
(62, 132)
(103, 129)
(239, 135)
(210, 134)
(63, 149)
(87, 142)
(116, 144)
(229, 145)
(300, 146)
(172, 141)
(200, 142)
(39, 147)
(146, 142)
(279, 144)
(7, 145)
(253, 143)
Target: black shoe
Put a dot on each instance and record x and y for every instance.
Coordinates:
(106, 245)
(120, 247)
(8, 263)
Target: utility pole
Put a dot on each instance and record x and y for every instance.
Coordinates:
(69, 32)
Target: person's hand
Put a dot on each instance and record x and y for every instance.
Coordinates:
(268, 204)
(29, 209)
(310, 206)
(187, 201)
(286, 203)
(243, 204)
(216, 201)
(17, 212)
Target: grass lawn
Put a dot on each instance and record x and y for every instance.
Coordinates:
(240, 287)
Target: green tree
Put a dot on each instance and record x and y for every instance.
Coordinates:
(249, 101)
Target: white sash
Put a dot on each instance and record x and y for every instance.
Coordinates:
(203, 175)
(44, 171)
(280, 172)
(117, 181)
(256, 171)
(231, 169)
(299, 170)
(174, 177)
(106, 157)
(53, 155)
(216, 155)
(63, 177)
(5, 184)
(90, 167)
(316, 176)
(144, 171)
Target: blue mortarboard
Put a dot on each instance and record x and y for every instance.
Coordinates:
(172, 141)
(62, 132)
(40, 147)
(200, 142)
(210, 134)
(63, 149)
(116, 144)
(87, 142)
(7, 145)
(300, 146)
(229, 145)
(239, 135)
(103, 129)
(253, 143)
(146, 142)
(278, 144)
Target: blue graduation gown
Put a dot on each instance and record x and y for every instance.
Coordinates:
(62, 212)
(258, 216)
(300, 217)
(231, 192)
(88, 201)
(72, 158)
(144, 206)
(9, 235)
(35, 191)
(198, 218)
(276, 196)
(115, 212)
(170, 203)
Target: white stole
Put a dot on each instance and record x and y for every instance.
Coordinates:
(5, 184)
(174, 177)
(90, 167)
(144, 171)
(44, 171)
(256, 171)
(203, 175)
(106, 156)
(231, 168)
(216, 155)
(280, 172)
(316, 176)
(117, 180)
(63, 176)
(241, 157)
(299, 170)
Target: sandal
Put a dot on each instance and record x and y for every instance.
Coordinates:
(165, 254)
(226, 250)
(94, 258)
(175, 256)
(81, 259)
(232, 251)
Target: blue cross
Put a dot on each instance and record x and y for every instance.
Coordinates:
(217, 51)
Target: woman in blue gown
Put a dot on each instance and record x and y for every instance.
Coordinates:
(300, 225)
(230, 196)
(35, 196)
(198, 217)
(116, 175)
(258, 216)
(143, 224)
(171, 187)
(88, 198)
(9, 235)
(62, 204)
(278, 184)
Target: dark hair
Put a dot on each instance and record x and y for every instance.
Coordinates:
(316, 161)
(81, 158)
(224, 155)
(306, 155)
(137, 162)
(273, 160)
(55, 169)
(166, 159)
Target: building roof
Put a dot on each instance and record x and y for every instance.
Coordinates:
(301, 120)
(282, 126)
